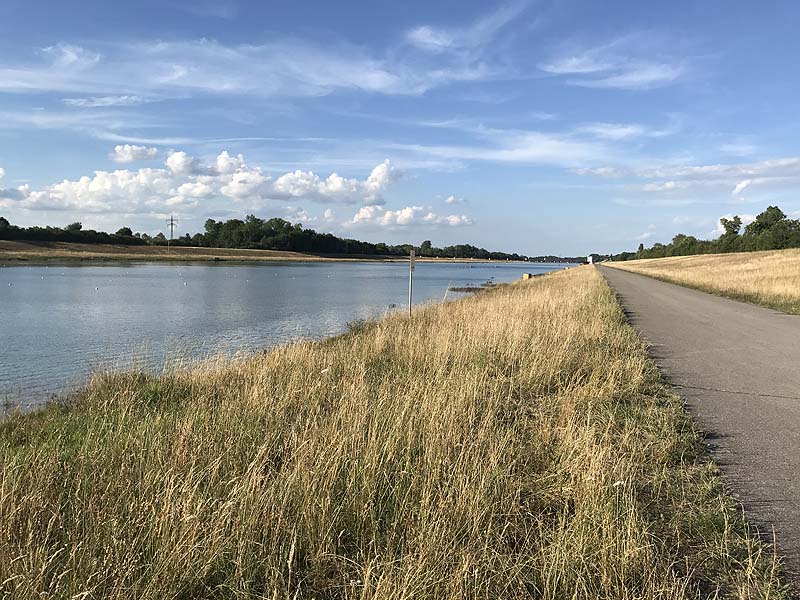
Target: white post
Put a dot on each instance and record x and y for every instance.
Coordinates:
(410, 279)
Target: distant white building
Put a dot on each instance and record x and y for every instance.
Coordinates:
(590, 259)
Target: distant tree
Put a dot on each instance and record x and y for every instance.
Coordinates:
(729, 241)
(683, 245)
(252, 232)
(771, 230)
(765, 221)
(732, 226)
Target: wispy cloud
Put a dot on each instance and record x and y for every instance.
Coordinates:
(624, 63)
(651, 231)
(613, 131)
(526, 147)
(777, 167)
(104, 101)
(739, 149)
(291, 68)
(220, 9)
(635, 76)
(86, 121)
(114, 125)
(606, 172)
(699, 183)
(482, 31)
(741, 186)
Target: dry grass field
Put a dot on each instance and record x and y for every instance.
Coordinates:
(514, 444)
(38, 252)
(770, 278)
(55, 251)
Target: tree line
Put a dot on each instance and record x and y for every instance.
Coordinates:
(771, 230)
(250, 233)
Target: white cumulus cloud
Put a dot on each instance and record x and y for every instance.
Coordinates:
(226, 163)
(180, 163)
(10, 195)
(379, 216)
(335, 187)
(451, 199)
(127, 153)
(187, 181)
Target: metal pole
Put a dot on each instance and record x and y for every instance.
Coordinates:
(410, 279)
(171, 224)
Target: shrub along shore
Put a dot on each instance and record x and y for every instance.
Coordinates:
(517, 443)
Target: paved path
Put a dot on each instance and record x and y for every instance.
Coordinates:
(738, 367)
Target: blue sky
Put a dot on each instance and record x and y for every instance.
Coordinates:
(539, 127)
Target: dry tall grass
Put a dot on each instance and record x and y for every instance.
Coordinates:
(770, 278)
(511, 445)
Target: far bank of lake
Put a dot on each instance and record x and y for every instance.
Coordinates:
(59, 323)
(26, 252)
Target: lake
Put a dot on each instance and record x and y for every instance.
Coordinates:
(60, 323)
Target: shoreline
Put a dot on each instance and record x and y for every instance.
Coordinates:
(16, 253)
(18, 398)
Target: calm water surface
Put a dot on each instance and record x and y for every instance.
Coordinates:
(58, 324)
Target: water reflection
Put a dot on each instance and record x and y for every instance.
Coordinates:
(58, 324)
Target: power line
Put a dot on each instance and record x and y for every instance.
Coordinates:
(172, 223)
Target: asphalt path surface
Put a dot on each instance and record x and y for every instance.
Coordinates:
(737, 366)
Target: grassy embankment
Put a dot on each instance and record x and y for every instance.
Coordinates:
(514, 444)
(64, 251)
(770, 278)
